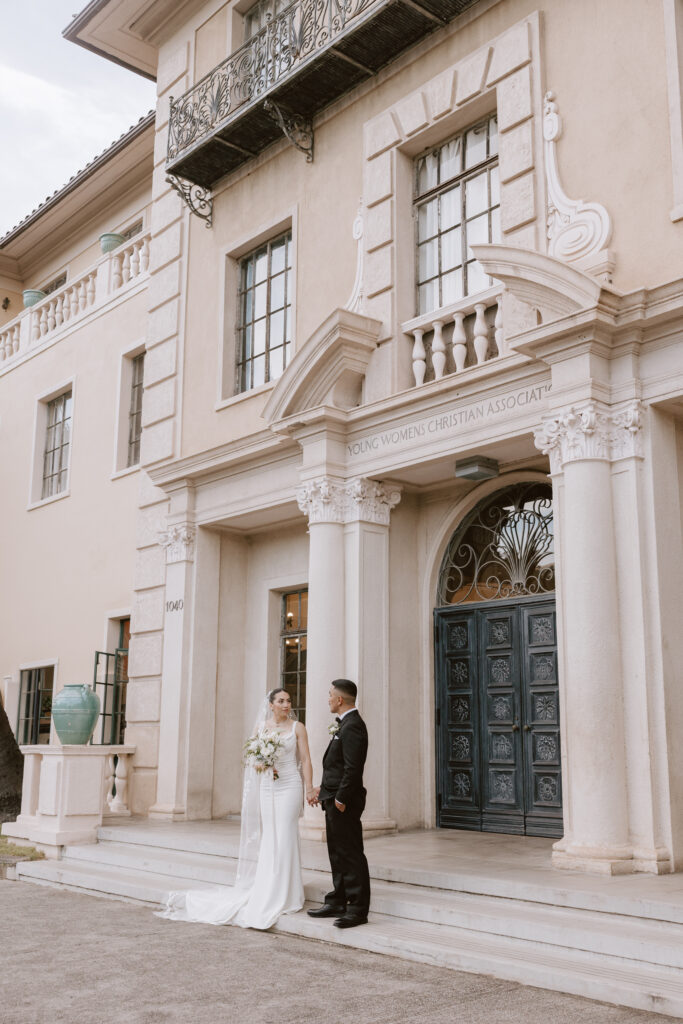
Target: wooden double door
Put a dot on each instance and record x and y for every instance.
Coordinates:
(497, 717)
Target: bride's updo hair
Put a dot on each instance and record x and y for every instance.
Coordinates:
(273, 693)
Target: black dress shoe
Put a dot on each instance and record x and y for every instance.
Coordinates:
(326, 911)
(350, 921)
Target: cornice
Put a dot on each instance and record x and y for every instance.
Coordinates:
(258, 449)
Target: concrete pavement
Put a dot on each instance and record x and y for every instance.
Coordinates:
(66, 957)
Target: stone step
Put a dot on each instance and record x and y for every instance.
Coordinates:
(630, 982)
(597, 932)
(553, 888)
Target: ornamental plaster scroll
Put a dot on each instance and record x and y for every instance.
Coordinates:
(591, 432)
(355, 302)
(350, 501)
(575, 229)
(178, 542)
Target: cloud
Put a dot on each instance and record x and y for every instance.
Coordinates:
(51, 131)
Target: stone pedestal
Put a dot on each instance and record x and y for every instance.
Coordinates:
(64, 795)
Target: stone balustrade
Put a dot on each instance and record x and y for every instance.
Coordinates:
(62, 308)
(117, 772)
(458, 336)
(67, 791)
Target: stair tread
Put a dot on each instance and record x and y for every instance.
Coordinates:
(453, 901)
(385, 931)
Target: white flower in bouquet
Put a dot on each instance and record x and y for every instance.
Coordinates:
(262, 751)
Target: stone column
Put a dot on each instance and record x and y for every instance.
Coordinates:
(179, 544)
(369, 506)
(323, 501)
(580, 441)
(348, 622)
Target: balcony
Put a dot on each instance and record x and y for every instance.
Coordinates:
(67, 306)
(299, 62)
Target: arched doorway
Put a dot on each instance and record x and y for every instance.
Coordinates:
(497, 701)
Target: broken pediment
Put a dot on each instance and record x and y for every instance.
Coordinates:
(328, 369)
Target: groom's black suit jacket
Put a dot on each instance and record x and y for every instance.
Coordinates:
(344, 760)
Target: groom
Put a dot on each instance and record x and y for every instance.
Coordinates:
(342, 796)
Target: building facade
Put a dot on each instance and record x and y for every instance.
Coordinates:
(411, 411)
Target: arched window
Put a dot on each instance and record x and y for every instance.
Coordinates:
(502, 550)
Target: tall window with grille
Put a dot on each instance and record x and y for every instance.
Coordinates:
(457, 205)
(57, 445)
(293, 649)
(264, 329)
(135, 411)
(35, 705)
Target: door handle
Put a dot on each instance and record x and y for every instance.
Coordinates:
(515, 727)
(527, 728)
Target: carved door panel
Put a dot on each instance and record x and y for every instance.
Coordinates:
(500, 688)
(498, 740)
(458, 775)
(543, 777)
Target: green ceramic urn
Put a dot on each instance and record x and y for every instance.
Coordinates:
(75, 711)
(111, 240)
(31, 296)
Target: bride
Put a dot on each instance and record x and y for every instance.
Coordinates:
(268, 879)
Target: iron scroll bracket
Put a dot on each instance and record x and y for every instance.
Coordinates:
(197, 198)
(296, 128)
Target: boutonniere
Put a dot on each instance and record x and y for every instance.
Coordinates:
(333, 729)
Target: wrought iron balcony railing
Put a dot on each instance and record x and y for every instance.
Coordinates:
(300, 61)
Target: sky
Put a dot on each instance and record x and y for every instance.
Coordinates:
(60, 105)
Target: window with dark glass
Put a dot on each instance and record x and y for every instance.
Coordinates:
(457, 205)
(35, 705)
(293, 649)
(110, 682)
(135, 411)
(264, 326)
(259, 14)
(57, 445)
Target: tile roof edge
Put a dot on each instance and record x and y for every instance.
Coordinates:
(80, 176)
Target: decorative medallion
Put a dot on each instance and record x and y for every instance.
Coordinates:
(546, 748)
(500, 670)
(499, 634)
(462, 787)
(543, 667)
(502, 709)
(545, 708)
(460, 709)
(542, 631)
(546, 787)
(460, 673)
(457, 637)
(461, 748)
(501, 747)
(502, 788)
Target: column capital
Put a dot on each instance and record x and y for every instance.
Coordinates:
(178, 542)
(327, 500)
(591, 431)
(370, 502)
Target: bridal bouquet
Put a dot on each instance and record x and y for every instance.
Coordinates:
(262, 750)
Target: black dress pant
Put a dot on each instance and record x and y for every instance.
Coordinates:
(350, 874)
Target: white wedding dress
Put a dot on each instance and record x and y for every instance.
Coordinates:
(277, 887)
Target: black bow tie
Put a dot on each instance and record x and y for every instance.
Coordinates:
(338, 721)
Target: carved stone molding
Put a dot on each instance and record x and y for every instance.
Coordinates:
(591, 432)
(359, 500)
(323, 501)
(370, 502)
(576, 230)
(178, 542)
(356, 299)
